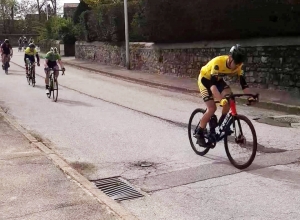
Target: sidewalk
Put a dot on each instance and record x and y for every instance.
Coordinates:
(32, 187)
(269, 99)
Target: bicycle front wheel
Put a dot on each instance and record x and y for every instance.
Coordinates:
(28, 78)
(55, 90)
(241, 146)
(50, 88)
(193, 125)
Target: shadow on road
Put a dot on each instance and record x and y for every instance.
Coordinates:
(73, 103)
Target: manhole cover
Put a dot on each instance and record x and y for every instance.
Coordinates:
(281, 121)
(117, 189)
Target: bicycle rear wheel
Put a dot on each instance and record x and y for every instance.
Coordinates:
(193, 125)
(241, 151)
(55, 89)
(33, 78)
(50, 88)
(6, 67)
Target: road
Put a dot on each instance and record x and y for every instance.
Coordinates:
(106, 127)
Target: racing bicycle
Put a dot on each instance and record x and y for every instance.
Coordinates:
(230, 130)
(53, 83)
(31, 72)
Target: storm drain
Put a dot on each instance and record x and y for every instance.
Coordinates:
(117, 189)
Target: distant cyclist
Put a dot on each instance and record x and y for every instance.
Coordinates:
(25, 42)
(6, 52)
(51, 60)
(31, 41)
(20, 42)
(31, 53)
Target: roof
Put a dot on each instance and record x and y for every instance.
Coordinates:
(71, 5)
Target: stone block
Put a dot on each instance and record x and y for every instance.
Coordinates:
(264, 59)
(250, 73)
(291, 83)
(260, 49)
(257, 60)
(251, 79)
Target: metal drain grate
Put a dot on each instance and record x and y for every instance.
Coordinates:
(117, 189)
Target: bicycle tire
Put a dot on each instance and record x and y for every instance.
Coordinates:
(6, 68)
(55, 89)
(190, 132)
(33, 78)
(50, 87)
(254, 149)
(28, 76)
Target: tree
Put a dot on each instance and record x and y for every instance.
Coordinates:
(82, 7)
(7, 8)
(42, 6)
(25, 7)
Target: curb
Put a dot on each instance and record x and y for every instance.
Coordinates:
(292, 109)
(112, 207)
(143, 82)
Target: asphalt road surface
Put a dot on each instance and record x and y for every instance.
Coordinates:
(106, 127)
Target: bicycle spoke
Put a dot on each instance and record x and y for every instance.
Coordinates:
(241, 148)
(192, 127)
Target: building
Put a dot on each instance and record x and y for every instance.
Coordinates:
(69, 9)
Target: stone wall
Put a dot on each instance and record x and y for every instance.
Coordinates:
(272, 63)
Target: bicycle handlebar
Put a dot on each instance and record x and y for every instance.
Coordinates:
(54, 69)
(232, 96)
(49, 69)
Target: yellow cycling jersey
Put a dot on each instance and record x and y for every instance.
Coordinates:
(29, 52)
(217, 67)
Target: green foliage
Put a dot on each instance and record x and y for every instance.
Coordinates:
(57, 28)
(82, 7)
(106, 22)
(81, 28)
(169, 21)
(136, 26)
(194, 20)
(67, 32)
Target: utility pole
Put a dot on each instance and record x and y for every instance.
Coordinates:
(126, 35)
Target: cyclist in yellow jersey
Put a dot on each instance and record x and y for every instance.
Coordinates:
(212, 85)
(29, 53)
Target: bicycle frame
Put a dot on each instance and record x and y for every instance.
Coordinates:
(228, 120)
(31, 65)
(51, 73)
(220, 131)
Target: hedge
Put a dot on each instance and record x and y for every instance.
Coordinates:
(194, 20)
(169, 21)
(82, 7)
(106, 22)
